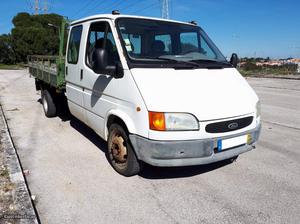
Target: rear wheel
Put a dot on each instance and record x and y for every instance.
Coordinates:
(48, 104)
(120, 152)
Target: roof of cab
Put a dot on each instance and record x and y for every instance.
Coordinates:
(113, 17)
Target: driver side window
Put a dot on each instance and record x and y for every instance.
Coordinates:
(100, 36)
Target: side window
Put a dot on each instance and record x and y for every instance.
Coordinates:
(100, 36)
(74, 44)
(94, 36)
(166, 39)
(111, 47)
(189, 42)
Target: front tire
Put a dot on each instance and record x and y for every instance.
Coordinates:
(120, 152)
(48, 104)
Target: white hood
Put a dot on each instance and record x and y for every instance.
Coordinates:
(209, 94)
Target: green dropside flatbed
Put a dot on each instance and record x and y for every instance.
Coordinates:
(50, 70)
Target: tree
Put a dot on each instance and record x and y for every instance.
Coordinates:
(32, 35)
(7, 55)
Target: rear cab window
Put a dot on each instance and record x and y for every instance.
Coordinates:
(74, 44)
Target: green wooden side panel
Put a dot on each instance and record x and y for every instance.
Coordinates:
(49, 69)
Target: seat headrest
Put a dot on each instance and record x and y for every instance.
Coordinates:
(158, 46)
(99, 44)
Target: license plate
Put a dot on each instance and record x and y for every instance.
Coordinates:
(231, 142)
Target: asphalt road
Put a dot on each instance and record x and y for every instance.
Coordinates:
(74, 183)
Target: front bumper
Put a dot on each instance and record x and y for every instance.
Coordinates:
(187, 153)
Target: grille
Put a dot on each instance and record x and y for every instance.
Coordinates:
(231, 125)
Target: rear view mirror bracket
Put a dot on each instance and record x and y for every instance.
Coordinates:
(234, 60)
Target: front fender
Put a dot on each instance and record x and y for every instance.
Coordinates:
(124, 117)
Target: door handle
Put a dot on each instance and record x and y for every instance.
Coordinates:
(81, 74)
(66, 70)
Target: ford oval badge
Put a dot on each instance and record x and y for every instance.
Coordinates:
(233, 125)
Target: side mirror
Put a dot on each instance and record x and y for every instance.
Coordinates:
(100, 64)
(99, 60)
(234, 60)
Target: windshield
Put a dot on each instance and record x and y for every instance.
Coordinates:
(153, 40)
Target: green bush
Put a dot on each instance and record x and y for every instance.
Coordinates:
(250, 66)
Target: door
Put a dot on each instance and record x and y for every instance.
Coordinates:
(98, 94)
(74, 74)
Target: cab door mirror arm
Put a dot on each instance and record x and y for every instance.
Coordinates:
(119, 71)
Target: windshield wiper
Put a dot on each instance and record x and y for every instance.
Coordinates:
(211, 62)
(194, 64)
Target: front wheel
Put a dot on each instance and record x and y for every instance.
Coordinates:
(120, 152)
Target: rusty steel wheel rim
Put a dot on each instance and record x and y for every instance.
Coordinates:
(118, 149)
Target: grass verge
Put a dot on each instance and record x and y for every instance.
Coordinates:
(12, 67)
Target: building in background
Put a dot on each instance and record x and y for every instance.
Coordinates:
(297, 62)
(278, 62)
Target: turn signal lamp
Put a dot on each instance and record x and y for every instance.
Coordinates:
(157, 121)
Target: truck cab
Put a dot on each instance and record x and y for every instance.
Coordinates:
(158, 91)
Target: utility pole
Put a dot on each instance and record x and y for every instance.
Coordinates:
(36, 7)
(165, 9)
(45, 9)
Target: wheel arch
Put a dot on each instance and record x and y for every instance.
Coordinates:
(120, 118)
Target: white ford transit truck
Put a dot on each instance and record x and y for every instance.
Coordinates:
(158, 91)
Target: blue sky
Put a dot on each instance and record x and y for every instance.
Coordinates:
(252, 28)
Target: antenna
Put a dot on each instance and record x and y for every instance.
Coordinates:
(165, 9)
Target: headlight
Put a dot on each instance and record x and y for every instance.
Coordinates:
(258, 109)
(172, 122)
